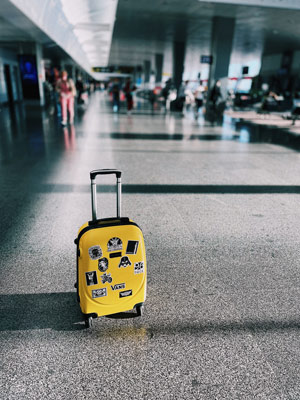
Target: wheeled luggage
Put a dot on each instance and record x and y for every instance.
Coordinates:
(111, 261)
(177, 105)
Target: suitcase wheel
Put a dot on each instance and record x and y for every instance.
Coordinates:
(88, 321)
(139, 309)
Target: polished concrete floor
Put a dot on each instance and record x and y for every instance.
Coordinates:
(219, 208)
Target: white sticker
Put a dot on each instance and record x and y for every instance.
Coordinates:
(99, 293)
(95, 252)
(114, 244)
(91, 278)
(139, 267)
(125, 294)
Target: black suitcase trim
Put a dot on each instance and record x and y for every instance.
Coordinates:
(104, 223)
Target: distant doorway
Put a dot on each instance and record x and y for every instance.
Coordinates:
(10, 97)
(17, 83)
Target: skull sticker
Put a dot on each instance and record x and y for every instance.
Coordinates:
(103, 264)
(114, 244)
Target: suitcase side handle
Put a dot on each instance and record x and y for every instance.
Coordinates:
(93, 175)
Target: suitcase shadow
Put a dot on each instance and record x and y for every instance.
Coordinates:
(58, 311)
(123, 315)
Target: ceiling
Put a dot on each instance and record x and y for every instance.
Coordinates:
(143, 28)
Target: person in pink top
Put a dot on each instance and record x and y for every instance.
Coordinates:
(67, 92)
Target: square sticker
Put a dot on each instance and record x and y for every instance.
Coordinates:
(132, 247)
(91, 278)
(99, 293)
(139, 267)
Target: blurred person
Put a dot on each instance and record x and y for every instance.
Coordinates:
(199, 98)
(189, 98)
(67, 91)
(181, 96)
(152, 99)
(215, 95)
(296, 108)
(115, 91)
(80, 89)
(54, 79)
(270, 101)
(165, 92)
(129, 88)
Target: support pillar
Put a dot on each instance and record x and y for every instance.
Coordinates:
(158, 67)
(147, 71)
(40, 72)
(178, 62)
(221, 46)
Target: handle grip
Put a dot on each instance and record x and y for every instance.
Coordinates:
(96, 172)
(93, 175)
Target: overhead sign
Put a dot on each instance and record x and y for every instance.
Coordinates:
(206, 59)
(121, 69)
(103, 69)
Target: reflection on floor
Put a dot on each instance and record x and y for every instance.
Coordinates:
(218, 203)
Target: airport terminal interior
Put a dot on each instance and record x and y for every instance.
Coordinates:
(197, 103)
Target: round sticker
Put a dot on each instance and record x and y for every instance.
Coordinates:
(95, 252)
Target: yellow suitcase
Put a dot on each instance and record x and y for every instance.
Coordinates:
(111, 261)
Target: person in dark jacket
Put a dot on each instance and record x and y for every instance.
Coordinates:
(128, 89)
(215, 95)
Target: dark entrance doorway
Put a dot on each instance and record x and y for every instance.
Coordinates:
(17, 83)
(10, 97)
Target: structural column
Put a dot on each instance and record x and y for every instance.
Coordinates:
(221, 46)
(158, 67)
(178, 62)
(40, 72)
(147, 71)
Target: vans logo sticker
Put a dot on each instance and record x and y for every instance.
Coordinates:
(95, 252)
(91, 278)
(132, 247)
(139, 267)
(103, 264)
(114, 244)
(118, 286)
(125, 294)
(106, 278)
(124, 262)
(99, 293)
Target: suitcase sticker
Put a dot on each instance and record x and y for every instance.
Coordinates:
(139, 268)
(125, 262)
(95, 252)
(103, 264)
(91, 278)
(99, 293)
(114, 244)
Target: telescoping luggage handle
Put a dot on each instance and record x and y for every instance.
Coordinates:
(93, 175)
